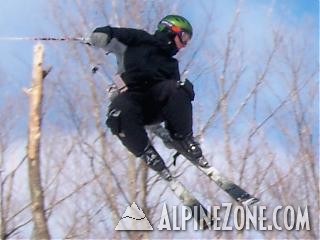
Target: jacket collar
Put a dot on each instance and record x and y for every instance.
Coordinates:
(165, 40)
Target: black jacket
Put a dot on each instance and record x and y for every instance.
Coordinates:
(146, 59)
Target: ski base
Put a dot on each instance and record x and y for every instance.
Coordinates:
(236, 192)
(198, 212)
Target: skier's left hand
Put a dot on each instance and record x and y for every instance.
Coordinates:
(188, 87)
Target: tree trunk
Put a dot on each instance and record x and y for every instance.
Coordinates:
(34, 128)
(2, 218)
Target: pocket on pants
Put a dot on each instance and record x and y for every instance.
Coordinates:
(114, 121)
(188, 87)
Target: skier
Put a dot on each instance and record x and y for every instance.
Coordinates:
(151, 90)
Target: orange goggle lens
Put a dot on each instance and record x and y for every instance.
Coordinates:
(183, 36)
(175, 29)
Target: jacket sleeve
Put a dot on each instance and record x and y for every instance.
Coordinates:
(103, 35)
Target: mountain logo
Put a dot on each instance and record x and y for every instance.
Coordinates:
(134, 219)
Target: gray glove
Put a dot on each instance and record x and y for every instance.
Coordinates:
(99, 39)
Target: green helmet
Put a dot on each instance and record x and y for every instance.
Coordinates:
(172, 22)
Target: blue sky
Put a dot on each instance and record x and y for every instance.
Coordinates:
(32, 18)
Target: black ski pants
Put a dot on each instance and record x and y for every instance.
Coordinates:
(165, 101)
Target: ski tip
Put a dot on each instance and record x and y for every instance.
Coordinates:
(250, 201)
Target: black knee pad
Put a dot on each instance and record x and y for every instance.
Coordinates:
(114, 121)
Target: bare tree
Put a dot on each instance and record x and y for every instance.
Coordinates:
(36, 95)
(254, 114)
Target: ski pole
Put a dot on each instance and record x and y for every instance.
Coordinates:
(70, 39)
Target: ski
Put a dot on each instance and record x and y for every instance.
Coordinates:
(236, 192)
(198, 212)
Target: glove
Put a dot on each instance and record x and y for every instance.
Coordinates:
(101, 37)
(86, 40)
(188, 87)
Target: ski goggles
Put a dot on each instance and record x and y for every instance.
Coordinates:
(183, 36)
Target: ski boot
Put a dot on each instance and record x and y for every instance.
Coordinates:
(154, 161)
(189, 148)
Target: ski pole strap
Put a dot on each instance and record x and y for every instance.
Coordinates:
(119, 82)
(175, 156)
(79, 39)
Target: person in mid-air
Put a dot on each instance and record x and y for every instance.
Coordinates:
(151, 90)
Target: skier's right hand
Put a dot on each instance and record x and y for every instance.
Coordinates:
(86, 40)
